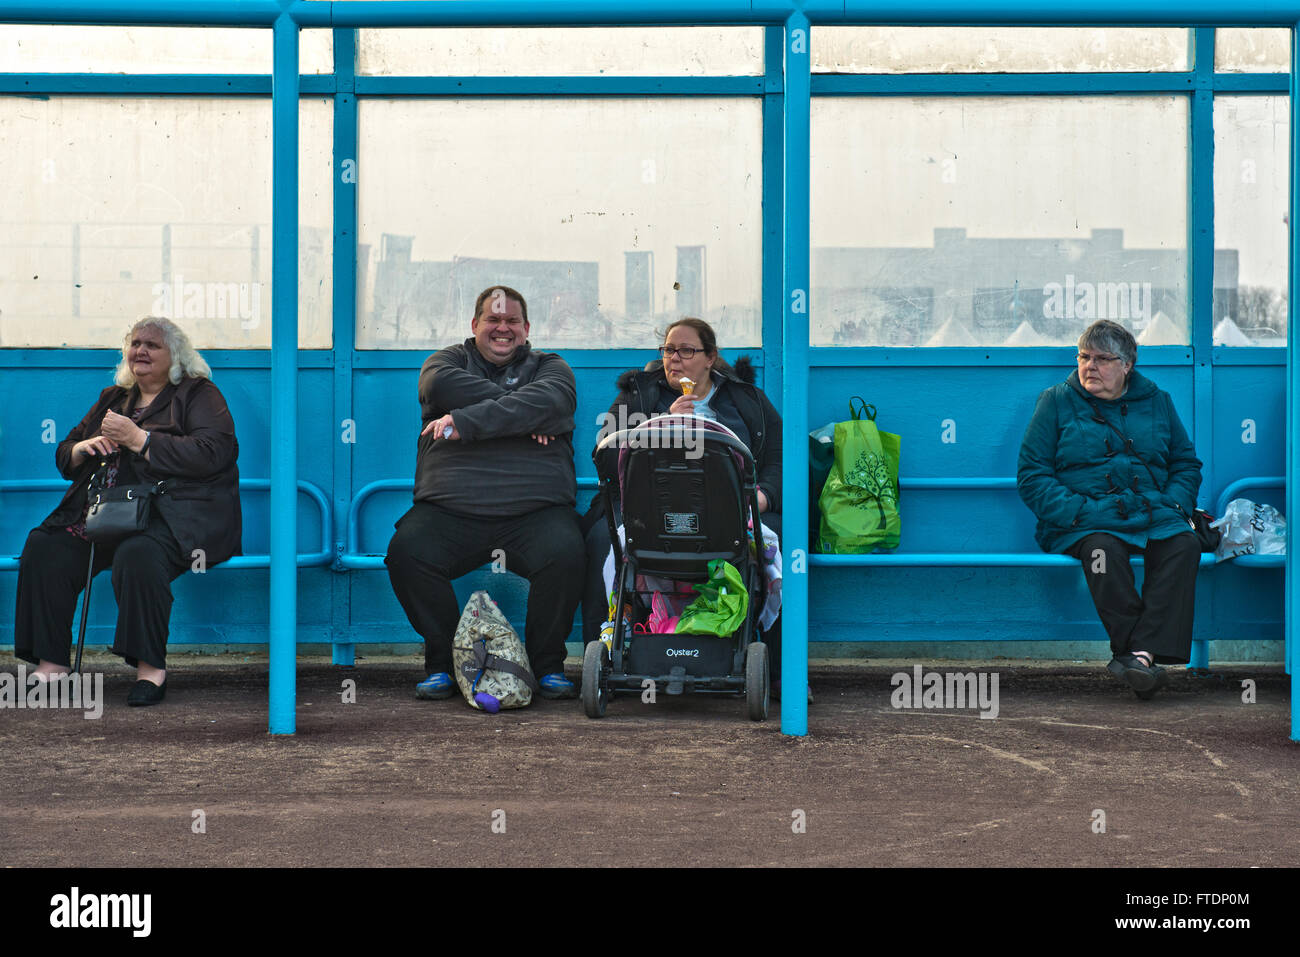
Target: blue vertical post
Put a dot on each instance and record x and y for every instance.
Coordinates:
(284, 377)
(1200, 273)
(1292, 584)
(344, 316)
(795, 254)
(770, 307)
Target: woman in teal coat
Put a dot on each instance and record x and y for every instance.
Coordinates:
(1107, 467)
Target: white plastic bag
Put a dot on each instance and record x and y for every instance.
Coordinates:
(1250, 529)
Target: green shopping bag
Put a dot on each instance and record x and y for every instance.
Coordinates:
(720, 605)
(859, 503)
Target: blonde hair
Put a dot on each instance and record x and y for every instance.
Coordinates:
(185, 359)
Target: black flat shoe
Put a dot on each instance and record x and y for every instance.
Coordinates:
(1162, 680)
(1133, 672)
(144, 693)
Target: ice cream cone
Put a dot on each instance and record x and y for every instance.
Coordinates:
(688, 385)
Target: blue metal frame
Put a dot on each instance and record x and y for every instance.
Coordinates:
(787, 96)
(1292, 584)
(284, 378)
(796, 293)
(344, 314)
(1200, 264)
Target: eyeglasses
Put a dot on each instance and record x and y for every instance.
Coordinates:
(1085, 358)
(686, 352)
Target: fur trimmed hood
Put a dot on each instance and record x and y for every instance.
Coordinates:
(643, 391)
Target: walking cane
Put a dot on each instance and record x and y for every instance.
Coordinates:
(90, 574)
(85, 608)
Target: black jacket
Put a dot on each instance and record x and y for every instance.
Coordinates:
(192, 446)
(496, 468)
(647, 392)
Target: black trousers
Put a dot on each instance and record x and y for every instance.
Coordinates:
(432, 546)
(52, 573)
(595, 601)
(1160, 619)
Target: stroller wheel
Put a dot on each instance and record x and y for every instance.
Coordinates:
(595, 694)
(758, 687)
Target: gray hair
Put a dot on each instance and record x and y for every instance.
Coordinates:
(185, 359)
(1104, 335)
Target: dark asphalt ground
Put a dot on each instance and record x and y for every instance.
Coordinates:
(1194, 778)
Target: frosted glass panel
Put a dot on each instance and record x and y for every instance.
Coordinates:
(977, 221)
(114, 209)
(78, 49)
(997, 50)
(562, 51)
(608, 215)
(1252, 50)
(1250, 229)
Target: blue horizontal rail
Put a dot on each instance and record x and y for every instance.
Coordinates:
(1234, 490)
(353, 13)
(353, 558)
(9, 563)
(962, 560)
(310, 560)
(174, 84)
(1024, 559)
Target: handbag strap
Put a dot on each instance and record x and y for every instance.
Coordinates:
(484, 660)
(98, 477)
(868, 410)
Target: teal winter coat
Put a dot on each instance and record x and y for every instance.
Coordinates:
(1079, 475)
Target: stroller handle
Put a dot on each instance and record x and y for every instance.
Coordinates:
(726, 440)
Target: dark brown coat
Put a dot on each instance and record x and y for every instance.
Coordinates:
(193, 447)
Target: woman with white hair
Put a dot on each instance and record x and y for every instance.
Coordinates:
(164, 421)
(1109, 470)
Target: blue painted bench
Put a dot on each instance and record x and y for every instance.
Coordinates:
(1200, 649)
(349, 557)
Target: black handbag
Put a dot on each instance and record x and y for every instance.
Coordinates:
(114, 513)
(1200, 521)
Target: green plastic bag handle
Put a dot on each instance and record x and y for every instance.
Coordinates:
(868, 410)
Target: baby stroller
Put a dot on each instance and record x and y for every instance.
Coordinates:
(688, 490)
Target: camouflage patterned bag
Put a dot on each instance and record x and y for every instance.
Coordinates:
(488, 658)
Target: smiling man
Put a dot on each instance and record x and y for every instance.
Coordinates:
(494, 471)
